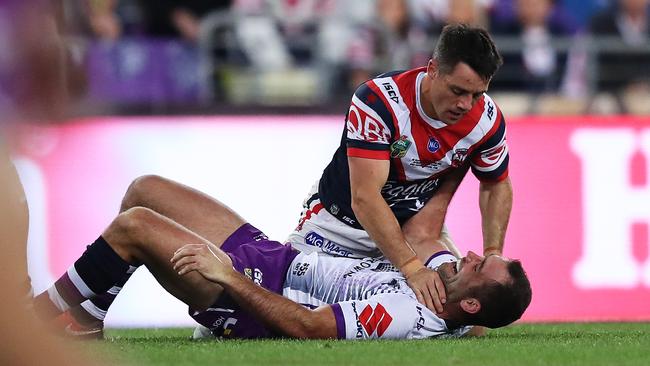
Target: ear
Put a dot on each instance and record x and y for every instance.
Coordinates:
(470, 305)
(432, 68)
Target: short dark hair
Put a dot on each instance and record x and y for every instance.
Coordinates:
(471, 45)
(502, 304)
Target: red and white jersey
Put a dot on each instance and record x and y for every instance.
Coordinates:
(386, 121)
(370, 297)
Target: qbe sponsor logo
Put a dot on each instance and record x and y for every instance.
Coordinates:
(364, 125)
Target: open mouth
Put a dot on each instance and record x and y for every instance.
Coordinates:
(449, 269)
(456, 114)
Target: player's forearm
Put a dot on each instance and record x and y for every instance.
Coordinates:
(278, 313)
(425, 226)
(423, 231)
(383, 228)
(496, 204)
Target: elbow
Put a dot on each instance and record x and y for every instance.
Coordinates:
(360, 201)
(357, 207)
(316, 324)
(308, 333)
(311, 330)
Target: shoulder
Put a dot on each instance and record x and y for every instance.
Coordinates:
(396, 78)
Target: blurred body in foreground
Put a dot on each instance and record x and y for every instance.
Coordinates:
(33, 54)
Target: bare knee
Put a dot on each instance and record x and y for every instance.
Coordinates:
(127, 230)
(140, 190)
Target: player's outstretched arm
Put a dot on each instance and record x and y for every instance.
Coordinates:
(495, 200)
(278, 313)
(367, 177)
(281, 314)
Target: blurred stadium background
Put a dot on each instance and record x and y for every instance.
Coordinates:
(244, 99)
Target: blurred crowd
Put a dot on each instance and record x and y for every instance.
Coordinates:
(593, 55)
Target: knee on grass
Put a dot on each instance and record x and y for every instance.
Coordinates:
(128, 232)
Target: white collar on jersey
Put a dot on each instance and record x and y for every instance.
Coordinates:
(439, 258)
(432, 122)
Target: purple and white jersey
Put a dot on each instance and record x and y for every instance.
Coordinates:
(369, 296)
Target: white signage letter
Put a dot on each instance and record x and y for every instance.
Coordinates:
(610, 205)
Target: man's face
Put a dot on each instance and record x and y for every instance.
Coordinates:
(453, 94)
(472, 270)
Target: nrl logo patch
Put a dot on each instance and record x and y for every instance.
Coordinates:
(399, 148)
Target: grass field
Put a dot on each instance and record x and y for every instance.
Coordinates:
(529, 344)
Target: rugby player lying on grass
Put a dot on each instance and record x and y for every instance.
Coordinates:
(242, 285)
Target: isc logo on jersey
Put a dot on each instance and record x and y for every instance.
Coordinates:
(391, 92)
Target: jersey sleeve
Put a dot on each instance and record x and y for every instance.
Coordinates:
(369, 125)
(387, 316)
(490, 160)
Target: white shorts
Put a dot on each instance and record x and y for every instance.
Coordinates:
(320, 231)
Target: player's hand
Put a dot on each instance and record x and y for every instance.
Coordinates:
(429, 288)
(207, 259)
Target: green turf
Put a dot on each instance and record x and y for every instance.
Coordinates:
(531, 344)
